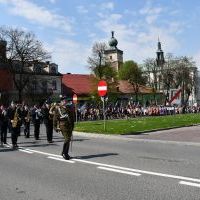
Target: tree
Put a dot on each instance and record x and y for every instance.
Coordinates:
(185, 77)
(97, 61)
(100, 68)
(23, 50)
(133, 74)
(151, 72)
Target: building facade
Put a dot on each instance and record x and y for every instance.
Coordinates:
(32, 82)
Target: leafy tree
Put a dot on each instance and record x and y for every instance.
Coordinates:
(185, 77)
(101, 69)
(23, 49)
(150, 69)
(133, 74)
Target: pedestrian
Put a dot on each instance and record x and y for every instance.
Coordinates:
(64, 122)
(37, 117)
(48, 121)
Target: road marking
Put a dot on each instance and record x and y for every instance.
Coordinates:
(189, 183)
(140, 171)
(119, 171)
(44, 153)
(61, 159)
(25, 151)
(122, 168)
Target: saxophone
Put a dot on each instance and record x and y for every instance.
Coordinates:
(15, 119)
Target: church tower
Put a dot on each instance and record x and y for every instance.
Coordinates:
(160, 61)
(160, 56)
(113, 55)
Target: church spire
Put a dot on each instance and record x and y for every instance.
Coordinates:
(160, 55)
(159, 44)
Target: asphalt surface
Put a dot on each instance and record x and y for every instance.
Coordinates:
(157, 165)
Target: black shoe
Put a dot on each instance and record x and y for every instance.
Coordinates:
(14, 146)
(66, 157)
(50, 141)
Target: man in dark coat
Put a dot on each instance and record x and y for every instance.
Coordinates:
(15, 116)
(48, 121)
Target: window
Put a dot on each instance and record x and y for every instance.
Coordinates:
(54, 85)
(37, 68)
(53, 70)
(44, 86)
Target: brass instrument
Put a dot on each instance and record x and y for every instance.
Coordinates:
(15, 120)
(53, 113)
(28, 117)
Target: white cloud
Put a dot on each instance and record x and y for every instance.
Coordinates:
(40, 15)
(151, 13)
(136, 42)
(108, 5)
(70, 55)
(197, 59)
(82, 9)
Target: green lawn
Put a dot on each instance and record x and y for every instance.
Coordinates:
(138, 125)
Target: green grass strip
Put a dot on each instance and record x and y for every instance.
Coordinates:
(139, 124)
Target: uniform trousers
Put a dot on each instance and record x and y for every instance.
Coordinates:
(49, 130)
(66, 131)
(15, 132)
(4, 128)
(27, 129)
(36, 129)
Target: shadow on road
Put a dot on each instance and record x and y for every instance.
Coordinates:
(96, 156)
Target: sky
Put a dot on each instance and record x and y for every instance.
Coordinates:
(69, 28)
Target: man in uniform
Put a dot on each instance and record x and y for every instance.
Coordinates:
(26, 120)
(48, 120)
(15, 116)
(64, 122)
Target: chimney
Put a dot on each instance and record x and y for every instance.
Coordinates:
(3, 45)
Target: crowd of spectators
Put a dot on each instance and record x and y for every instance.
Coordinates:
(95, 112)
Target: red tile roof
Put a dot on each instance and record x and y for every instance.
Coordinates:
(81, 84)
(126, 88)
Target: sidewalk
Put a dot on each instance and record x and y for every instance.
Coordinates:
(185, 134)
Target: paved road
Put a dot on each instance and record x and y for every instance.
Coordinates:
(110, 168)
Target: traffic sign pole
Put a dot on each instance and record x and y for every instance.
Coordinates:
(104, 114)
(102, 90)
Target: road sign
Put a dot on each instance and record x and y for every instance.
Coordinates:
(102, 88)
(75, 99)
